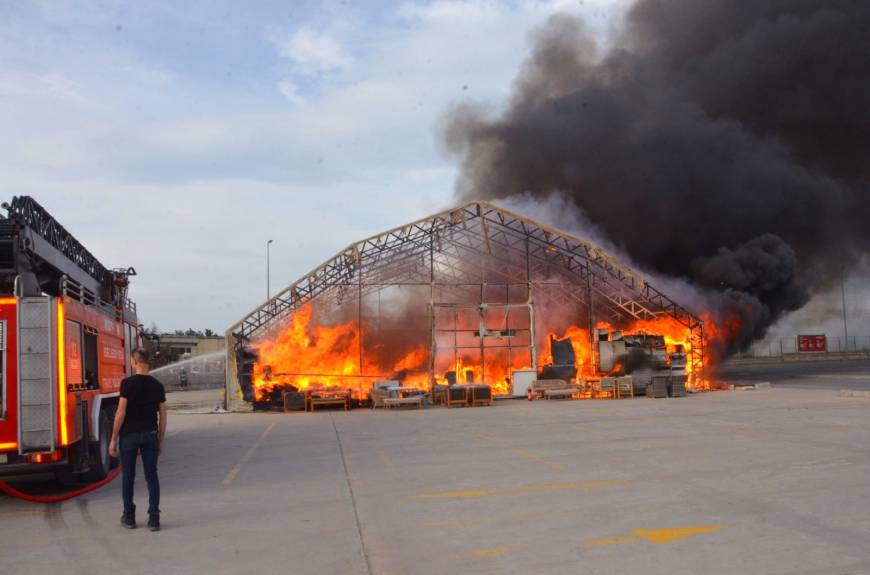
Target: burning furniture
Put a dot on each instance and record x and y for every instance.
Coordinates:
(625, 387)
(378, 395)
(550, 388)
(606, 387)
(321, 397)
(415, 400)
(469, 296)
(480, 395)
(457, 395)
(401, 395)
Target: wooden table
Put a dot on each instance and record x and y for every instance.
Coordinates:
(314, 398)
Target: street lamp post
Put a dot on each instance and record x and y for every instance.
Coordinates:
(268, 287)
(845, 322)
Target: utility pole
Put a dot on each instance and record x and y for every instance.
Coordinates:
(268, 287)
(843, 291)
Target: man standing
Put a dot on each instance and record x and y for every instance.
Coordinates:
(140, 431)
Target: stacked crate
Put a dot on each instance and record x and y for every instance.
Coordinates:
(678, 386)
(658, 387)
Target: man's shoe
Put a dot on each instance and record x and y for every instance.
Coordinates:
(154, 522)
(128, 521)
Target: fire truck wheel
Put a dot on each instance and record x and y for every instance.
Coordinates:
(102, 461)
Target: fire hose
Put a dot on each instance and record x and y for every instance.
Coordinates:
(9, 490)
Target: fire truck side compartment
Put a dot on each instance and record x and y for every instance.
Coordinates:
(47, 275)
(36, 379)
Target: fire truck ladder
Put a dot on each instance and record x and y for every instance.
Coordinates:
(39, 256)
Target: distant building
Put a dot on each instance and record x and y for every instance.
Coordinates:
(184, 346)
(183, 361)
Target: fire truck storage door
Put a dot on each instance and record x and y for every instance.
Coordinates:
(129, 334)
(36, 374)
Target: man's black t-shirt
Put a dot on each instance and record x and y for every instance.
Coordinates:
(144, 395)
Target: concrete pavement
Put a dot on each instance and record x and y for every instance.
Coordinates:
(767, 481)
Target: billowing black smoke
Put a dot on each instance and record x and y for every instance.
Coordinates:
(723, 141)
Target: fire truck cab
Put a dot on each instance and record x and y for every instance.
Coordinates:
(67, 331)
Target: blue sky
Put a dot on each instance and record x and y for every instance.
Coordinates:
(177, 137)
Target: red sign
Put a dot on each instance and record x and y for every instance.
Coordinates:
(812, 343)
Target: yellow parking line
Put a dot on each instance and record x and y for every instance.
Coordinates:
(563, 486)
(609, 540)
(661, 536)
(235, 470)
(494, 552)
(383, 455)
(530, 455)
(657, 536)
(449, 494)
(539, 488)
(572, 511)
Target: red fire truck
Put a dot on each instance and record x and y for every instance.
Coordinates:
(67, 331)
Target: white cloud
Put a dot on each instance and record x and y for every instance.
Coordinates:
(452, 11)
(48, 85)
(194, 171)
(290, 91)
(315, 52)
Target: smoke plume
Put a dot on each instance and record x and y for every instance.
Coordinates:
(719, 141)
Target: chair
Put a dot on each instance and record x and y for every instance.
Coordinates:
(457, 395)
(294, 400)
(607, 385)
(378, 395)
(481, 394)
(439, 394)
(625, 386)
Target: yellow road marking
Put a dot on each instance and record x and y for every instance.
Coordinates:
(662, 536)
(539, 488)
(448, 494)
(383, 455)
(235, 470)
(609, 540)
(494, 552)
(531, 456)
(500, 519)
(657, 536)
(572, 511)
(232, 475)
(563, 486)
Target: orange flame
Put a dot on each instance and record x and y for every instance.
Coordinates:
(308, 355)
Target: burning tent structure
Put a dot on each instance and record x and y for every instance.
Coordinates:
(470, 294)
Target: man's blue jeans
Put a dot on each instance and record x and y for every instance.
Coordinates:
(148, 444)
